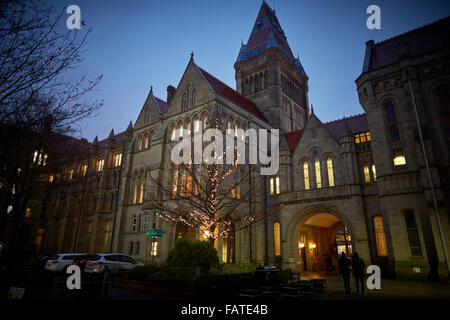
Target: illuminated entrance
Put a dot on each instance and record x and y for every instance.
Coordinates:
(322, 237)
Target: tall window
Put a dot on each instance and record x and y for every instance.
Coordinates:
(154, 248)
(413, 234)
(107, 233)
(28, 213)
(277, 238)
(131, 248)
(133, 223)
(38, 240)
(100, 164)
(380, 237)
(84, 169)
(175, 183)
(117, 159)
(184, 102)
(141, 193)
(138, 248)
(173, 134)
(274, 185)
(194, 98)
(391, 121)
(366, 174)
(146, 141)
(135, 195)
(224, 250)
(330, 172)
(374, 172)
(306, 175)
(317, 171)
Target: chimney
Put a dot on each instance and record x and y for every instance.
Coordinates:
(170, 93)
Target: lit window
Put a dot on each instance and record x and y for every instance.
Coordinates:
(189, 184)
(117, 159)
(40, 158)
(183, 185)
(362, 137)
(141, 194)
(84, 169)
(107, 233)
(38, 241)
(224, 250)
(366, 174)
(277, 238)
(50, 178)
(154, 248)
(100, 164)
(368, 136)
(318, 175)
(135, 194)
(357, 138)
(89, 228)
(28, 213)
(146, 141)
(70, 174)
(275, 185)
(330, 172)
(306, 175)
(374, 173)
(175, 183)
(380, 237)
(399, 160)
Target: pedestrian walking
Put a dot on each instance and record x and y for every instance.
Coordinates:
(344, 269)
(358, 269)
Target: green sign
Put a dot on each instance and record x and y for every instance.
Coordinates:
(154, 233)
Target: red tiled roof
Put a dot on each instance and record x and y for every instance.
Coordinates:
(293, 138)
(357, 124)
(421, 40)
(231, 94)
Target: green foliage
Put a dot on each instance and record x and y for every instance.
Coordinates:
(142, 273)
(192, 254)
(223, 269)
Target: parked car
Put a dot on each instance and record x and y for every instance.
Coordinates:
(59, 262)
(113, 263)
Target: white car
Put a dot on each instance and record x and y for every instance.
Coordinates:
(113, 263)
(59, 262)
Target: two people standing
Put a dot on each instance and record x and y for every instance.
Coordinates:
(346, 267)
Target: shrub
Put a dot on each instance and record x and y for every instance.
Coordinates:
(192, 254)
(142, 273)
(233, 269)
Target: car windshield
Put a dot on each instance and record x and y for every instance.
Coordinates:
(54, 257)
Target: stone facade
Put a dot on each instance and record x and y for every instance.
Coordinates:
(333, 176)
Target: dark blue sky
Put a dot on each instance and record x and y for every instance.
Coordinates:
(138, 44)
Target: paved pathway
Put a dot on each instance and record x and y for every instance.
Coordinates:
(390, 289)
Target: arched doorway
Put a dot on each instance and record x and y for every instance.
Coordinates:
(321, 237)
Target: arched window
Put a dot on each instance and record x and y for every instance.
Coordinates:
(188, 127)
(330, 172)
(180, 129)
(194, 98)
(146, 141)
(175, 183)
(317, 170)
(139, 143)
(196, 124)
(204, 121)
(306, 175)
(173, 134)
(391, 121)
(277, 238)
(184, 102)
(189, 92)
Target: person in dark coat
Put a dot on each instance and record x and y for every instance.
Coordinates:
(344, 269)
(358, 269)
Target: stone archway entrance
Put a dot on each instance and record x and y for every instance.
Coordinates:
(321, 237)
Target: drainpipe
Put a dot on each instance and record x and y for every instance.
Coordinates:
(433, 194)
(250, 202)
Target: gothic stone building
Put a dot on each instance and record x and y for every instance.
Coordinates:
(355, 184)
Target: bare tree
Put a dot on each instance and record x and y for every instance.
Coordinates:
(41, 99)
(212, 198)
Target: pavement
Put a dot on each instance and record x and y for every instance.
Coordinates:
(390, 289)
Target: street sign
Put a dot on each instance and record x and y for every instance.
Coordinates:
(154, 233)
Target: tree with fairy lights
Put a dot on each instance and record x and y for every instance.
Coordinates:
(212, 197)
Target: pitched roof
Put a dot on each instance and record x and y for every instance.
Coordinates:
(267, 33)
(357, 124)
(424, 39)
(117, 138)
(161, 104)
(231, 94)
(293, 138)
